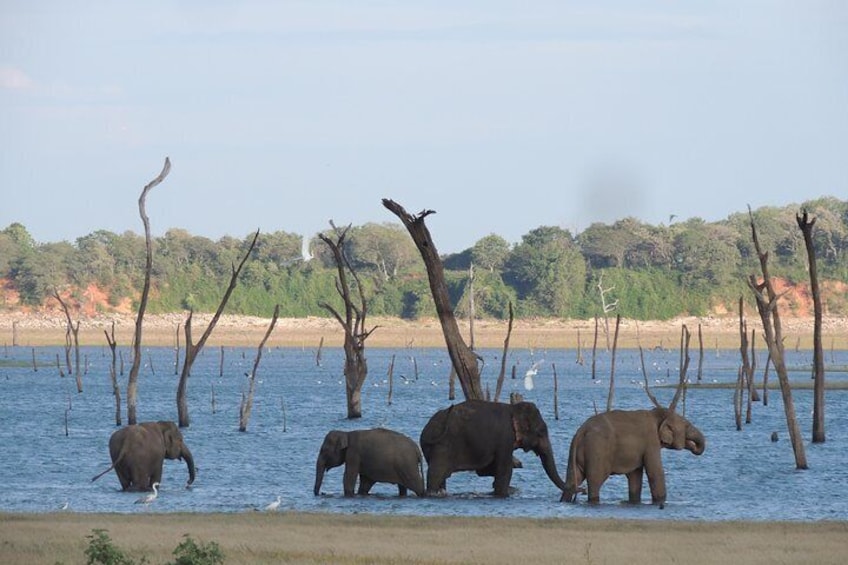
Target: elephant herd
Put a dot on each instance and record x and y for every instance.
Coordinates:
(474, 435)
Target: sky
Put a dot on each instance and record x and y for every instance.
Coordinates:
(500, 116)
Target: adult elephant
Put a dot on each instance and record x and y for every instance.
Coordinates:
(480, 436)
(138, 452)
(375, 456)
(627, 442)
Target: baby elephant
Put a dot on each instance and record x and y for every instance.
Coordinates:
(376, 456)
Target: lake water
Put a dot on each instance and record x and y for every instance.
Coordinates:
(742, 474)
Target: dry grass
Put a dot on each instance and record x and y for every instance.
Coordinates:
(354, 539)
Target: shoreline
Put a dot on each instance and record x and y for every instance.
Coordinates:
(295, 537)
(45, 329)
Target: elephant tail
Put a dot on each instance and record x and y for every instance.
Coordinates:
(112, 466)
(573, 476)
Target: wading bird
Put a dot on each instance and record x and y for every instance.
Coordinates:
(150, 497)
(274, 505)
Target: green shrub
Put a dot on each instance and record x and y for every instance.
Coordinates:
(102, 551)
(190, 553)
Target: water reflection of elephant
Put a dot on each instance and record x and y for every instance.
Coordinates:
(480, 436)
(628, 442)
(374, 456)
(138, 453)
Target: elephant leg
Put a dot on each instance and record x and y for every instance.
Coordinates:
(594, 482)
(350, 474)
(634, 486)
(437, 472)
(503, 476)
(365, 484)
(401, 490)
(656, 480)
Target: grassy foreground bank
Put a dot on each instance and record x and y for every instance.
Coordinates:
(328, 538)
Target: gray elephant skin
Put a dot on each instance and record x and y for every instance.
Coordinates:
(374, 456)
(628, 442)
(480, 436)
(138, 452)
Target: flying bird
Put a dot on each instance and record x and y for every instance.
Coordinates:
(274, 505)
(150, 497)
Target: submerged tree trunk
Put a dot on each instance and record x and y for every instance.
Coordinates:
(462, 357)
(353, 323)
(247, 405)
(193, 349)
(502, 374)
(806, 226)
(767, 298)
(113, 375)
(72, 331)
(132, 381)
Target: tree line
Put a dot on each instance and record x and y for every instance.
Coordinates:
(642, 271)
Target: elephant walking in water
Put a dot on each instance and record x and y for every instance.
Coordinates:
(139, 451)
(628, 442)
(375, 456)
(480, 436)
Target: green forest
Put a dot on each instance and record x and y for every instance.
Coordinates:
(645, 271)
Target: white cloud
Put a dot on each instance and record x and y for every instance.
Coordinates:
(14, 79)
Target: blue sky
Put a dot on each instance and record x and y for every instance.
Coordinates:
(501, 116)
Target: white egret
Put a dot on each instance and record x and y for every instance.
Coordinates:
(274, 505)
(531, 372)
(150, 497)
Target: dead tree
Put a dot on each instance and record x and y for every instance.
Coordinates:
(471, 310)
(767, 298)
(595, 348)
(353, 323)
(611, 392)
(72, 331)
(806, 226)
(606, 308)
(132, 381)
(502, 374)
(113, 374)
(247, 404)
(192, 349)
(463, 358)
(746, 371)
(700, 352)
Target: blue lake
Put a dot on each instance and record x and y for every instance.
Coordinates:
(742, 474)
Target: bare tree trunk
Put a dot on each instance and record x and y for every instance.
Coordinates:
(502, 374)
(177, 350)
(700, 351)
(767, 298)
(113, 375)
(391, 380)
(556, 393)
(132, 382)
(746, 371)
(765, 380)
(579, 360)
(806, 226)
(319, 352)
(684, 367)
(471, 309)
(192, 349)
(737, 399)
(612, 364)
(247, 405)
(595, 348)
(463, 358)
(452, 384)
(353, 323)
(72, 331)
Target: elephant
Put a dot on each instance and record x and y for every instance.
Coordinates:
(627, 442)
(138, 452)
(376, 456)
(478, 435)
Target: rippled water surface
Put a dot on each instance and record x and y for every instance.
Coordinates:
(742, 475)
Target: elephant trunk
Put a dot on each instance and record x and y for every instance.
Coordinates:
(546, 453)
(186, 456)
(695, 441)
(319, 476)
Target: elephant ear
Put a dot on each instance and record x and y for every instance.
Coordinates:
(526, 425)
(666, 433)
